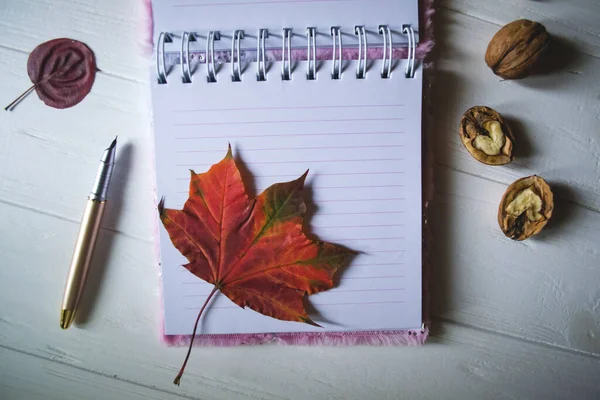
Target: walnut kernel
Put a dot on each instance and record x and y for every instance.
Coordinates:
(486, 136)
(525, 208)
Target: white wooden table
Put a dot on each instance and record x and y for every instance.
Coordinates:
(510, 320)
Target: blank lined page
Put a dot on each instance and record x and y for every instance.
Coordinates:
(360, 141)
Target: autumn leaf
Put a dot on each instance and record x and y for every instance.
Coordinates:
(252, 249)
(62, 72)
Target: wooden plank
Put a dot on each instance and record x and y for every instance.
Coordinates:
(49, 157)
(117, 31)
(574, 22)
(458, 363)
(32, 377)
(556, 117)
(544, 289)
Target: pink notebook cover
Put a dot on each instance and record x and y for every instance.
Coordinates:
(373, 337)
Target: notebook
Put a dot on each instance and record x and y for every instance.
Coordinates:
(332, 86)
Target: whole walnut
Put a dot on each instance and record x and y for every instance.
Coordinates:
(516, 48)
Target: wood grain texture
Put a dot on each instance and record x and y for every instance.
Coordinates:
(574, 22)
(116, 30)
(514, 320)
(458, 363)
(28, 376)
(554, 117)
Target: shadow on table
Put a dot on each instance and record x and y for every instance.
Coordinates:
(442, 115)
(562, 57)
(525, 149)
(564, 210)
(104, 243)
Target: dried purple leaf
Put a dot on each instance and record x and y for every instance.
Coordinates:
(62, 71)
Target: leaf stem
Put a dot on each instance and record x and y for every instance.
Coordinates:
(180, 374)
(18, 99)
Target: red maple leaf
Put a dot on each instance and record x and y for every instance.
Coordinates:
(252, 249)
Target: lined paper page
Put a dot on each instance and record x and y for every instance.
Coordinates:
(360, 141)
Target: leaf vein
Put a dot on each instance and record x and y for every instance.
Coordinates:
(259, 294)
(224, 193)
(251, 274)
(193, 242)
(262, 271)
(260, 233)
(201, 194)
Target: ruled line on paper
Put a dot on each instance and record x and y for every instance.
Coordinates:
(395, 264)
(350, 278)
(262, 189)
(295, 148)
(351, 200)
(367, 290)
(329, 292)
(289, 108)
(376, 264)
(300, 161)
(338, 201)
(329, 174)
(358, 226)
(199, 137)
(315, 304)
(365, 239)
(341, 187)
(358, 303)
(287, 121)
(187, 178)
(258, 2)
(373, 277)
(362, 213)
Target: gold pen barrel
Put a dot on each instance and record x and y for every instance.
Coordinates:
(82, 255)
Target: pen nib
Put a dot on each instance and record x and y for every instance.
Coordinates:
(113, 144)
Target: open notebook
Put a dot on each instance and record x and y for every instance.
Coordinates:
(326, 85)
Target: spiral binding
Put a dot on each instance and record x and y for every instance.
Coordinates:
(211, 73)
(311, 65)
(412, 49)
(384, 30)
(361, 66)
(261, 68)
(236, 69)
(286, 58)
(186, 74)
(286, 49)
(336, 65)
(161, 69)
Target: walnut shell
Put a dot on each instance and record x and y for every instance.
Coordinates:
(525, 208)
(515, 49)
(475, 122)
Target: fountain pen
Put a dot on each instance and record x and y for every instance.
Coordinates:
(86, 239)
